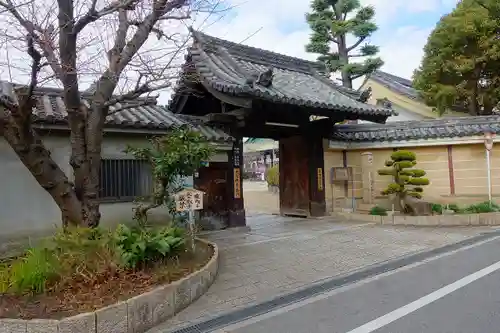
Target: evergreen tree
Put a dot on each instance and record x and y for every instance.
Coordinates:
(461, 63)
(407, 181)
(332, 21)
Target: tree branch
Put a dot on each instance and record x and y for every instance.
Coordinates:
(27, 104)
(45, 43)
(355, 45)
(142, 89)
(93, 15)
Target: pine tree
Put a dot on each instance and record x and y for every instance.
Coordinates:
(332, 21)
(407, 181)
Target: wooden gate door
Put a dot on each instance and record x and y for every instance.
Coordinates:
(294, 176)
(213, 181)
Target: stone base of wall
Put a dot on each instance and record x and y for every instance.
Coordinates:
(434, 220)
(135, 315)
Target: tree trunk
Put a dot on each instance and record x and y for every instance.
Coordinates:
(33, 154)
(343, 54)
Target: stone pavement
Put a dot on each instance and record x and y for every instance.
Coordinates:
(282, 254)
(259, 199)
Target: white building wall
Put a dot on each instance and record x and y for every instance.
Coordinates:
(26, 209)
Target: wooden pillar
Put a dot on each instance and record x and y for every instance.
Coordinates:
(451, 172)
(316, 176)
(236, 207)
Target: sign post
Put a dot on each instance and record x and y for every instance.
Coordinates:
(488, 144)
(189, 200)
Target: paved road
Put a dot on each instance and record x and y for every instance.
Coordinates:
(455, 292)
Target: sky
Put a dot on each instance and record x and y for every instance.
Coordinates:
(280, 26)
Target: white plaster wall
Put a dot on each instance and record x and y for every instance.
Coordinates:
(26, 209)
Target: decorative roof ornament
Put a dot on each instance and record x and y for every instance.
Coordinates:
(384, 102)
(365, 95)
(264, 79)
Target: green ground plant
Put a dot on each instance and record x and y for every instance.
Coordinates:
(377, 210)
(88, 255)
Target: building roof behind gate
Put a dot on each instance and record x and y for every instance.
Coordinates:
(139, 114)
(418, 129)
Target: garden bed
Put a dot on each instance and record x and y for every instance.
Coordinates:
(93, 273)
(81, 296)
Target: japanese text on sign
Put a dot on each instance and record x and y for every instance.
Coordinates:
(236, 157)
(320, 179)
(237, 183)
(189, 199)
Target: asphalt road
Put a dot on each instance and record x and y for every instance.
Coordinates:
(457, 292)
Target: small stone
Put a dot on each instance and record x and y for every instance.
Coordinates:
(42, 326)
(112, 319)
(13, 326)
(82, 323)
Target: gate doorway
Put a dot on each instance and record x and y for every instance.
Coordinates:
(254, 93)
(294, 177)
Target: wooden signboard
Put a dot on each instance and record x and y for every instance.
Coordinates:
(338, 174)
(237, 183)
(320, 179)
(189, 199)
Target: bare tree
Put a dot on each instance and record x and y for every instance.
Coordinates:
(104, 42)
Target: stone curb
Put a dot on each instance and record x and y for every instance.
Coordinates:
(135, 315)
(452, 220)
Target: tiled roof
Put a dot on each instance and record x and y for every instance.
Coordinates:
(395, 83)
(415, 130)
(404, 87)
(50, 109)
(226, 67)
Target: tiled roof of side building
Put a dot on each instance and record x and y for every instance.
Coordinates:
(51, 109)
(395, 83)
(417, 130)
(226, 67)
(404, 87)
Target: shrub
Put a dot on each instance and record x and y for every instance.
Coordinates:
(273, 175)
(140, 246)
(483, 207)
(377, 210)
(437, 208)
(407, 181)
(454, 207)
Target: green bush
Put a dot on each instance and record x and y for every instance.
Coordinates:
(483, 207)
(437, 208)
(273, 175)
(377, 210)
(140, 246)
